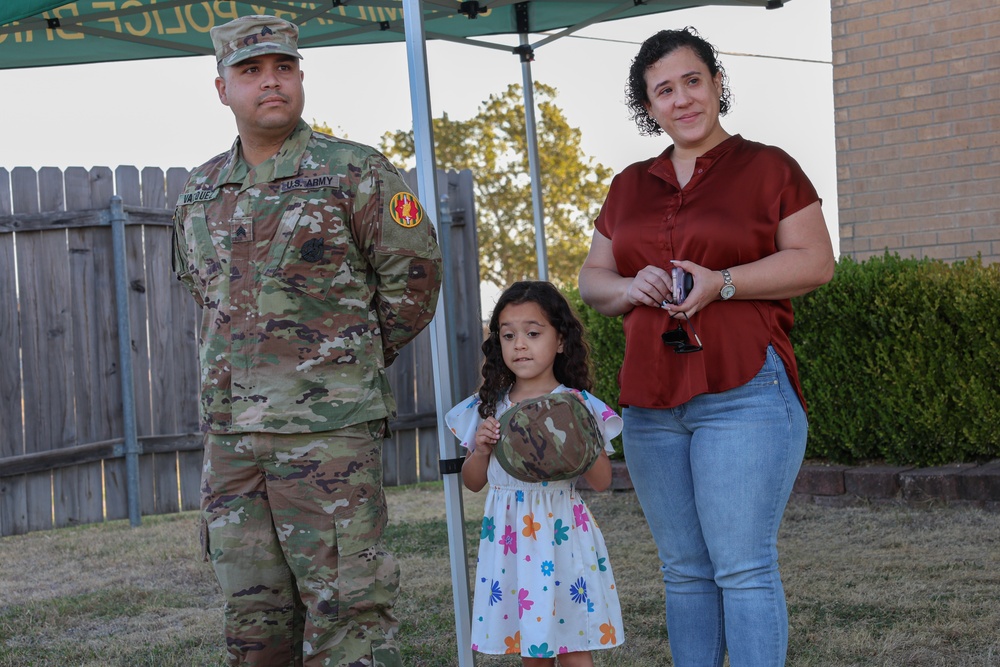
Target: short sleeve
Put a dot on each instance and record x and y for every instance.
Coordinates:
(463, 421)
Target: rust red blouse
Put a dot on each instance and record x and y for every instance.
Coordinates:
(726, 215)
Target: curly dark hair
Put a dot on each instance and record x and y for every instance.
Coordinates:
(572, 365)
(663, 43)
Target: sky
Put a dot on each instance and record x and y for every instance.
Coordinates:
(166, 113)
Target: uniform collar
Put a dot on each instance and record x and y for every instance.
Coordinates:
(283, 164)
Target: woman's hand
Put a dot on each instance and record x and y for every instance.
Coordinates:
(803, 262)
(652, 286)
(704, 291)
(604, 289)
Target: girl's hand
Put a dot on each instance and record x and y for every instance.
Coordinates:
(477, 461)
(487, 435)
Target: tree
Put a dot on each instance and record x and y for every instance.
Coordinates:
(493, 145)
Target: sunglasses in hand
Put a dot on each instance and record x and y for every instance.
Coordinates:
(678, 338)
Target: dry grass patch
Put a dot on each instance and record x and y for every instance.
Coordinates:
(867, 586)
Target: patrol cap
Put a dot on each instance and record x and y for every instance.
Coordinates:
(547, 438)
(255, 35)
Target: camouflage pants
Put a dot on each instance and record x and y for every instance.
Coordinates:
(293, 526)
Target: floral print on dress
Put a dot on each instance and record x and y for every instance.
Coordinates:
(509, 541)
(487, 530)
(523, 603)
(530, 526)
(541, 651)
(513, 644)
(560, 532)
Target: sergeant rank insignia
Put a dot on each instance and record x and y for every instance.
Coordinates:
(406, 210)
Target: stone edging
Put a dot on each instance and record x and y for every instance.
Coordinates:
(966, 484)
(969, 484)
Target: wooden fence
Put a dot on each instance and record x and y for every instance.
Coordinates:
(62, 424)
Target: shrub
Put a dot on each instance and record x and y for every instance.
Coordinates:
(607, 350)
(900, 360)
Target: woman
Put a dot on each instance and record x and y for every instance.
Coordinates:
(715, 420)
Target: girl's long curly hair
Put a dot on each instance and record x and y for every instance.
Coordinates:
(571, 366)
(661, 44)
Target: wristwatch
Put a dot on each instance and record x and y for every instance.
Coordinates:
(729, 289)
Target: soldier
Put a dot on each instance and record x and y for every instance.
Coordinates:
(313, 264)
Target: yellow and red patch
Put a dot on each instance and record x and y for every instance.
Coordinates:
(406, 210)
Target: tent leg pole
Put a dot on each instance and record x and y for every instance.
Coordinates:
(533, 167)
(423, 143)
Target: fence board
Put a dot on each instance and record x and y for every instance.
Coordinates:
(427, 451)
(102, 188)
(466, 257)
(153, 194)
(400, 374)
(51, 199)
(4, 192)
(95, 392)
(176, 180)
(50, 190)
(14, 490)
(164, 375)
(13, 504)
(24, 199)
(97, 389)
(45, 343)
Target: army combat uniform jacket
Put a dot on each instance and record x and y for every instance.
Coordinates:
(312, 269)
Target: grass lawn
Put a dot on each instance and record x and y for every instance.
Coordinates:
(874, 586)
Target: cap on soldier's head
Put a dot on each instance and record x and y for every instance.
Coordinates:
(250, 36)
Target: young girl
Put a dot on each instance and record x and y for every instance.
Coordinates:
(544, 587)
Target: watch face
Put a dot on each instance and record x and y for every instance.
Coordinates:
(727, 291)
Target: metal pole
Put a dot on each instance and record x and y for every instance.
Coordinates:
(125, 360)
(423, 143)
(533, 168)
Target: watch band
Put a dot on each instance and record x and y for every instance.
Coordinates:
(728, 289)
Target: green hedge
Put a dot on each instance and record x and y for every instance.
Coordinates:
(607, 350)
(899, 361)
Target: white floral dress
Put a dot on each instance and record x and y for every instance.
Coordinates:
(543, 585)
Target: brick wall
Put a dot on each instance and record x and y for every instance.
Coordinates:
(917, 98)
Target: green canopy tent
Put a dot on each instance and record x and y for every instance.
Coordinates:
(42, 33)
(39, 33)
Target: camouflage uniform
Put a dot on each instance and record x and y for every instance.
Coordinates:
(312, 269)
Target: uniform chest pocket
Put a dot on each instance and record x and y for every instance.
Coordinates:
(308, 254)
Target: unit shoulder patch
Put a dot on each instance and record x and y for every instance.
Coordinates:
(406, 210)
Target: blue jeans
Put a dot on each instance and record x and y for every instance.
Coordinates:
(713, 477)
